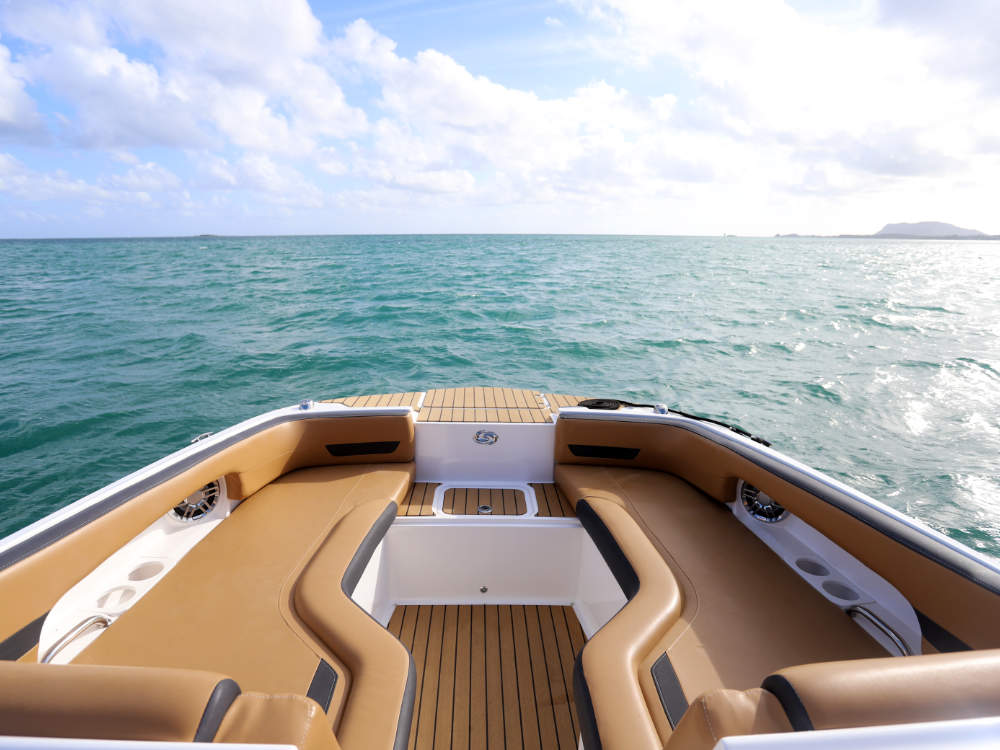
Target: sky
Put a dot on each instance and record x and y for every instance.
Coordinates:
(179, 117)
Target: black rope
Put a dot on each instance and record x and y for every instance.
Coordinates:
(612, 404)
(609, 404)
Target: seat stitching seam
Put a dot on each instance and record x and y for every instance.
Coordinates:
(708, 719)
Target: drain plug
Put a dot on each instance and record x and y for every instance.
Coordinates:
(483, 589)
(485, 509)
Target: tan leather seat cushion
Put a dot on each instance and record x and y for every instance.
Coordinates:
(869, 692)
(745, 614)
(226, 606)
(108, 703)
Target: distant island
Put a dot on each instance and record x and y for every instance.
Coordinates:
(919, 230)
(929, 230)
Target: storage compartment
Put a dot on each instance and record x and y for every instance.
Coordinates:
(486, 561)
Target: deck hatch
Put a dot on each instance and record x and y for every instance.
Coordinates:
(479, 501)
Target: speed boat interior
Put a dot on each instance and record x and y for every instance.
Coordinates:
(491, 568)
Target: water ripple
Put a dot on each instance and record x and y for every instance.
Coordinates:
(878, 362)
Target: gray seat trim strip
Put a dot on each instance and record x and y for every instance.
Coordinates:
(940, 638)
(323, 682)
(790, 701)
(668, 687)
(219, 702)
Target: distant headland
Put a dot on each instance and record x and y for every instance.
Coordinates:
(919, 230)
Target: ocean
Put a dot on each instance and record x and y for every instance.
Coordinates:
(876, 361)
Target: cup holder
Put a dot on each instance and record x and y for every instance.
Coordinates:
(146, 571)
(812, 567)
(116, 598)
(840, 590)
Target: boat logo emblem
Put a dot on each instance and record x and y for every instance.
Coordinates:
(486, 437)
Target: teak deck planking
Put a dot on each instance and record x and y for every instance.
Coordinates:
(471, 404)
(411, 398)
(557, 400)
(491, 676)
(552, 502)
(484, 404)
(418, 500)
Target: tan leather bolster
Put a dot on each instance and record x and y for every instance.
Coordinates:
(96, 702)
(869, 692)
(610, 659)
(379, 664)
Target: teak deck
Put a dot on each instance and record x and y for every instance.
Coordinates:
(493, 676)
(483, 405)
(472, 404)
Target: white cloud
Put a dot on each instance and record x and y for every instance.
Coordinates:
(120, 102)
(147, 177)
(18, 114)
(763, 113)
(20, 181)
(271, 180)
(443, 126)
(869, 97)
(124, 156)
(330, 162)
(137, 186)
(253, 74)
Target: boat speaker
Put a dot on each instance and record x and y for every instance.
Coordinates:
(198, 504)
(760, 505)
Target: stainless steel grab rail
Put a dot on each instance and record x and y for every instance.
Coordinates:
(78, 630)
(879, 624)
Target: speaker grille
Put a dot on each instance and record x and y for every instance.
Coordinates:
(759, 505)
(200, 503)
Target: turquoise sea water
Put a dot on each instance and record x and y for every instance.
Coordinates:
(876, 362)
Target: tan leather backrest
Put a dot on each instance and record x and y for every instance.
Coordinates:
(723, 713)
(30, 587)
(966, 609)
(610, 659)
(90, 702)
(870, 692)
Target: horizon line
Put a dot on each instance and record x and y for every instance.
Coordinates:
(212, 236)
